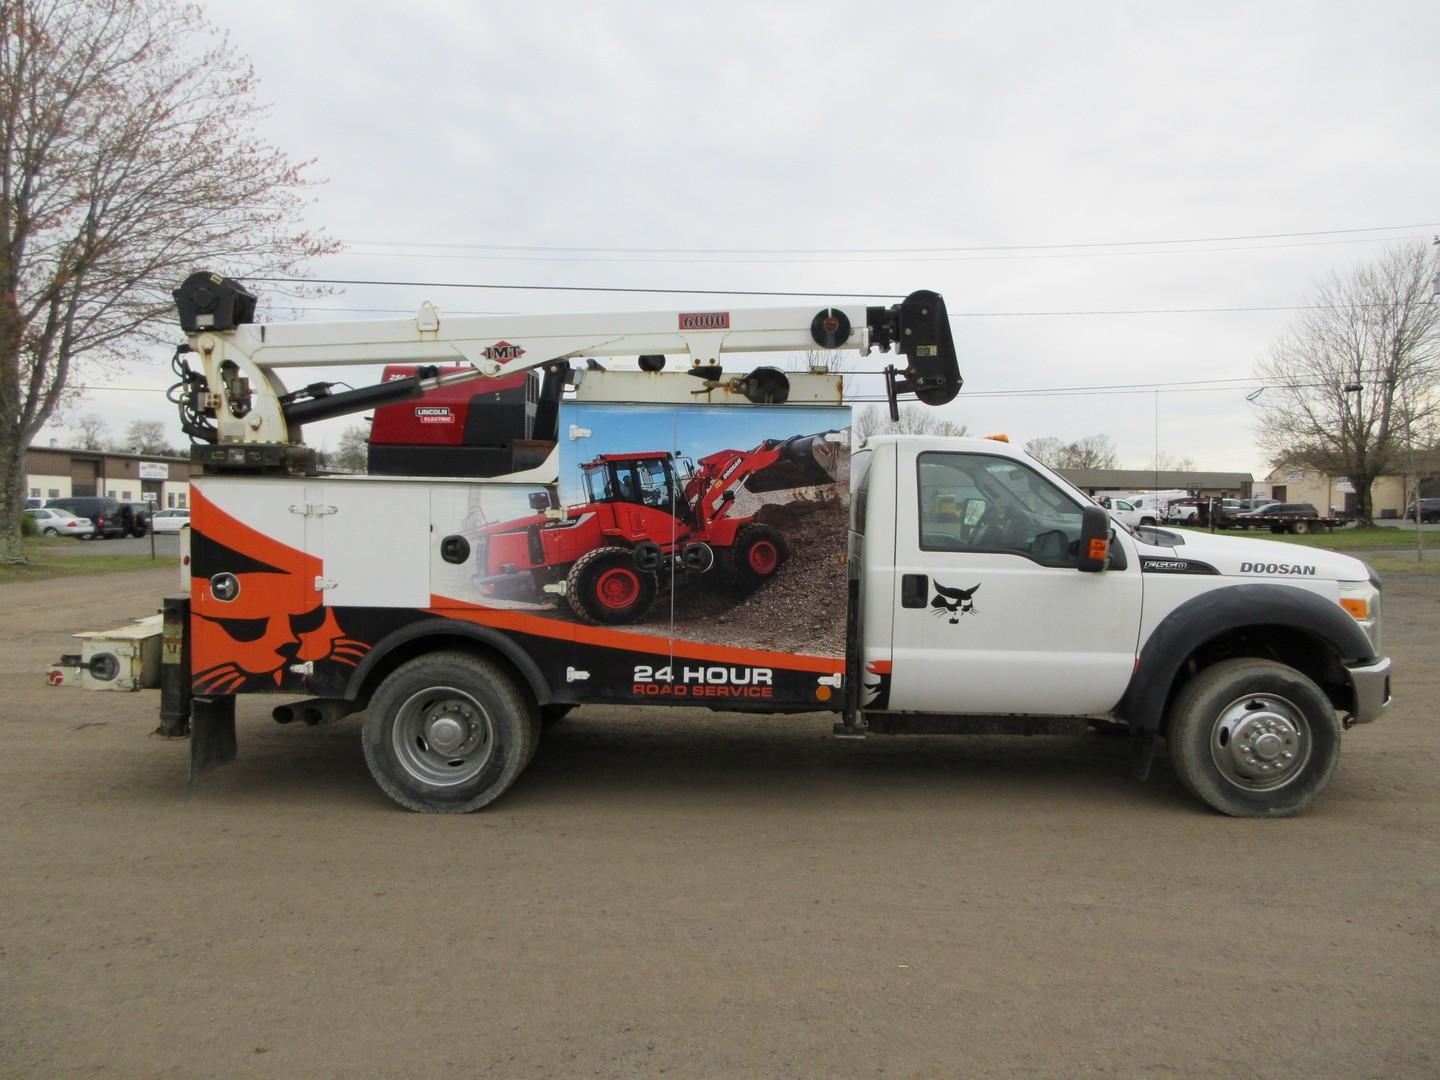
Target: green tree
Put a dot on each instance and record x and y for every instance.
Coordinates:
(127, 160)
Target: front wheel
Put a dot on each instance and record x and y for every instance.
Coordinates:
(1253, 738)
(52, 532)
(1300, 528)
(757, 555)
(605, 586)
(449, 733)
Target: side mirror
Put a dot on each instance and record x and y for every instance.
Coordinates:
(539, 501)
(1094, 539)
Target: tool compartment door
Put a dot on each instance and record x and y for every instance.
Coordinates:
(373, 539)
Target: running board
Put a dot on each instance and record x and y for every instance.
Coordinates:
(889, 723)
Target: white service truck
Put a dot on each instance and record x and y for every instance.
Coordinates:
(693, 538)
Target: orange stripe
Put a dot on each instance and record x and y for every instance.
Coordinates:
(617, 639)
(880, 667)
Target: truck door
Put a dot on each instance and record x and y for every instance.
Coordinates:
(990, 614)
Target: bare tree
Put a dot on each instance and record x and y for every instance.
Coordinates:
(1354, 380)
(147, 437)
(1091, 452)
(92, 430)
(914, 420)
(127, 160)
(1164, 461)
(352, 455)
(1046, 449)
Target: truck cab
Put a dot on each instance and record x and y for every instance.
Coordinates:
(1248, 656)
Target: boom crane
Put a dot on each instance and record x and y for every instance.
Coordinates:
(238, 402)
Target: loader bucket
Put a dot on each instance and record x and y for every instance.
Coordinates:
(805, 461)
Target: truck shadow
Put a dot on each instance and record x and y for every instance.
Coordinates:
(682, 758)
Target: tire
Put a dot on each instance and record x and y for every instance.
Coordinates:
(491, 725)
(1147, 522)
(52, 532)
(1300, 528)
(1274, 706)
(756, 556)
(605, 586)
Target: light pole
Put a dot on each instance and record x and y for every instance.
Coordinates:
(1351, 427)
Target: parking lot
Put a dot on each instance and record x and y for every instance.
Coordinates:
(692, 894)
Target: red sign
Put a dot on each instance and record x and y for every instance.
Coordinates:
(704, 320)
(503, 352)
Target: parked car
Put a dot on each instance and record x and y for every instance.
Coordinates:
(1257, 503)
(1152, 504)
(136, 516)
(170, 521)
(1181, 511)
(1125, 512)
(1429, 510)
(50, 521)
(104, 513)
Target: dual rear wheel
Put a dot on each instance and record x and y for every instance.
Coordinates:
(449, 733)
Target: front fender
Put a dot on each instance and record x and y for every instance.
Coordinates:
(1220, 611)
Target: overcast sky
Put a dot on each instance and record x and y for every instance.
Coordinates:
(784, 131)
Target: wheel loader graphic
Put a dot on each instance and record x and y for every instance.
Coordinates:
(651, 518)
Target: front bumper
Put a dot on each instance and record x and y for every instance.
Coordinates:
(1370, 683)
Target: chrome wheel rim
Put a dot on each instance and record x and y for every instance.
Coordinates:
(1260, 742)
(442, 736)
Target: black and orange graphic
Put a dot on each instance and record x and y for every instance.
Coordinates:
(256, 614)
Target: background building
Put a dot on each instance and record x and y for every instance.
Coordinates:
(54, 472)
(1389, 494)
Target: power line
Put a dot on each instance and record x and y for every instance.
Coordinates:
(892, 251)
(868, 259)
(830, 293)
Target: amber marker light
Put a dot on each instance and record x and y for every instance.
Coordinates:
(1356, 607)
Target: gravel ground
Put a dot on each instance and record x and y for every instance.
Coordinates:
(692, 894)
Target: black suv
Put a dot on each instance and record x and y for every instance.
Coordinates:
(1429, 510)
(107, 515)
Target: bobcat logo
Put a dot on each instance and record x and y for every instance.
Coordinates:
(953, 602)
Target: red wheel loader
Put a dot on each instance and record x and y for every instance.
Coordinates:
(650, 518)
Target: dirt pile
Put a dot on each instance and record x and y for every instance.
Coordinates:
(800, 610)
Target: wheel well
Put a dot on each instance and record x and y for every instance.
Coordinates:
(1307, 653)
(409, 650)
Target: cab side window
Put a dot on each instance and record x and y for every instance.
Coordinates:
(977, 502)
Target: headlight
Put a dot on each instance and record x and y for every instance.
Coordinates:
(1362, 600)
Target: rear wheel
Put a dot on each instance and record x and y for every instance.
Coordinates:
(605, 586)
(1301, 527)
(1253, 738)
(757, 555)
(449, 733)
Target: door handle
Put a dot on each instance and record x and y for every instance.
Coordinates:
(914, 589)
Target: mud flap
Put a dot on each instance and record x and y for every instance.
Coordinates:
(212, 734)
